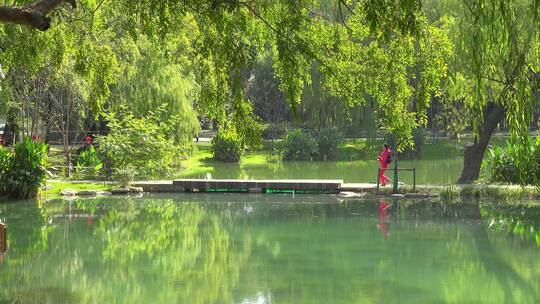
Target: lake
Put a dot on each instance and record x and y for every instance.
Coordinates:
(428, 172)
(278, 248)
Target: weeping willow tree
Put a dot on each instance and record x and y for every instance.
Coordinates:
(399, 73)
(500, 52)
(155, 79)
(228, 35)
(89, 58)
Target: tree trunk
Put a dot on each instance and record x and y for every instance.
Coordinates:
(33, 15)
(11, 129)
(68, 164)
(474, 153)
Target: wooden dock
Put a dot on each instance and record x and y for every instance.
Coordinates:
(234, 185)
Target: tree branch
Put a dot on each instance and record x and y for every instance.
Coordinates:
(33, 15)
(347, 6)
(494, 80)
(299, 47)
(343, 19)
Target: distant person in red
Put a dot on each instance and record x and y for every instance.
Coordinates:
(89, 140)
(383, 219)
(384, 160)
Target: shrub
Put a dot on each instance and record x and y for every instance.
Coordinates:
(227, 146)
(139, 142)
(24, 170)
(328, 141)
(536, 161)
(125, 176)
(500, 166)
(88, 164)
(6, 157)
(299, 146)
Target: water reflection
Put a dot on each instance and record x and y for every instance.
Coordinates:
(383, 219)
(268, 248)
(259, 298)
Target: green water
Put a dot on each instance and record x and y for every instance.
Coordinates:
(243, 248)
(440, 171)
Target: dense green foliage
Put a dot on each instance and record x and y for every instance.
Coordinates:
(124, 176)
(227, 146)
(419, 139)
(88, 164)
(328, 142)
(499, 58)
(5, 163)
(500, 164)
(155, 79)
(211, 43)
(358, 66)
(298, 145)
(145, 143)
(23, 171)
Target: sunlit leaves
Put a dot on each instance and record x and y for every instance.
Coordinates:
(401, 73)
(498, 50)
(144, 143)
(231, 33)
(385, 16)
(154, 79)
(98, 65)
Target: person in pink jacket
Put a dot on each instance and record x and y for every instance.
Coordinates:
(384, 160)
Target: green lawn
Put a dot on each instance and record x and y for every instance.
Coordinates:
(59, 186)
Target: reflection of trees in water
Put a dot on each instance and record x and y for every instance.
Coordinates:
(181, 248)
(141, 251)
(436, 253)
(520, 220)
(27, 237)
(523, 221)
(514, 284)
(224, 248)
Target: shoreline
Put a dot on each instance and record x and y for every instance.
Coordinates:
(63, 188)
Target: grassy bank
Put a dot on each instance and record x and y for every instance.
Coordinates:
(500, 192)
(497, 192)
(55, 187)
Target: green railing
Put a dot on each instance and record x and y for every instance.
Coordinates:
(396, 177)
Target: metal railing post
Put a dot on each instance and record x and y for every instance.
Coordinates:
(396, 177)
(378, 181)
(414, 178)
(3, 237)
